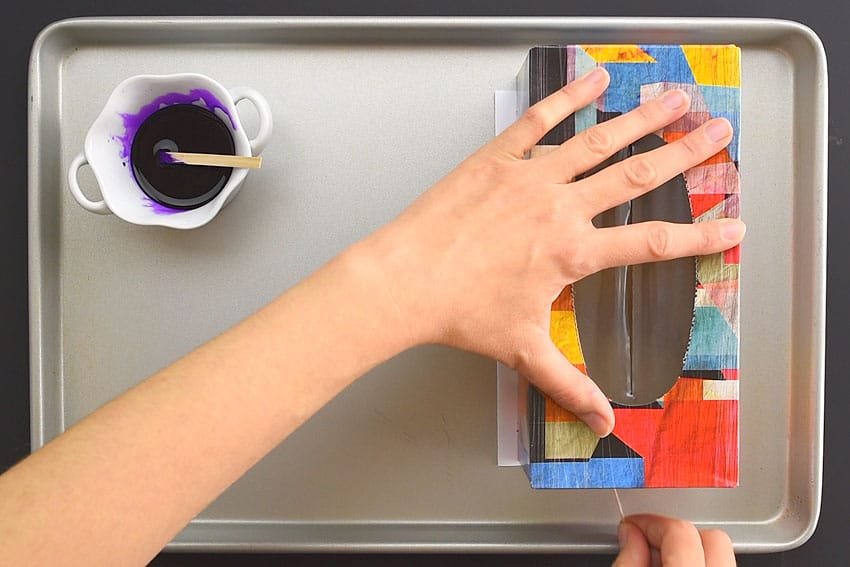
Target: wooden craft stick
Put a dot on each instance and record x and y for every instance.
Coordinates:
(217, 160)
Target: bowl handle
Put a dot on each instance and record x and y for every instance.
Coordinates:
(258, 143)
(98, 207)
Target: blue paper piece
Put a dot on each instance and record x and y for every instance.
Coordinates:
(670, 66)
(713, 343)
(615, 472)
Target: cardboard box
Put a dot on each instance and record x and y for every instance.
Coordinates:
(661, 340)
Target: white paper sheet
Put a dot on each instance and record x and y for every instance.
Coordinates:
(506, 379)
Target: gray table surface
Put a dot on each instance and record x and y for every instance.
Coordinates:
(828, 18)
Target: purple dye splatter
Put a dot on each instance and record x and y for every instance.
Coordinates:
(159, 208)
(132, 122)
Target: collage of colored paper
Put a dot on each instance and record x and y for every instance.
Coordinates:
(688, 437)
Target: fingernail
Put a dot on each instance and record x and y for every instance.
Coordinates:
(595, 76)
(732, 229)
(718, 130)
(673, 100)
(623, 535)
(597, 422)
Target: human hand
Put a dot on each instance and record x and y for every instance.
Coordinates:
(647, 539)
(478, 259)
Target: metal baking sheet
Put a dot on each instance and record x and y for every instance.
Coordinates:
(368, 113)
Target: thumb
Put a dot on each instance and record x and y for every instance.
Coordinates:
(548, 369)
(634, 549)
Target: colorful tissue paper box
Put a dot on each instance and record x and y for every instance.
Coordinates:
(688, 435)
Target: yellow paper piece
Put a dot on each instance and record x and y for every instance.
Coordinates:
(564, 332)
(714, 65)
(569, 440)
(720, 389)
(617, 54)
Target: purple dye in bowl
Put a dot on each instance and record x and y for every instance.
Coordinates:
(174, 122)
(180, 128)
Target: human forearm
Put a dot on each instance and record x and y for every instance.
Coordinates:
(144, 464)
(475, 263)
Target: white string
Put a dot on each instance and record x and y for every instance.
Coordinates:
(619, 505)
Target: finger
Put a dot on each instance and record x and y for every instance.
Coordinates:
(640, 174)
(523, 134)
(594, 145)
(678, 541)
(547, 368)
(634, 549)
(718, 548)
(654, 241)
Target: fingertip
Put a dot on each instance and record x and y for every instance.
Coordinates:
(716, 539)
(732, 230)
(676, 101)
(626, 532)
(718, 130)
(623, 534)
(598, 77)
(601, 418)
(634, 549)
(599, 423)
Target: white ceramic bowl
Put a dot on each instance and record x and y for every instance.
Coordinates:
(109, 140)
